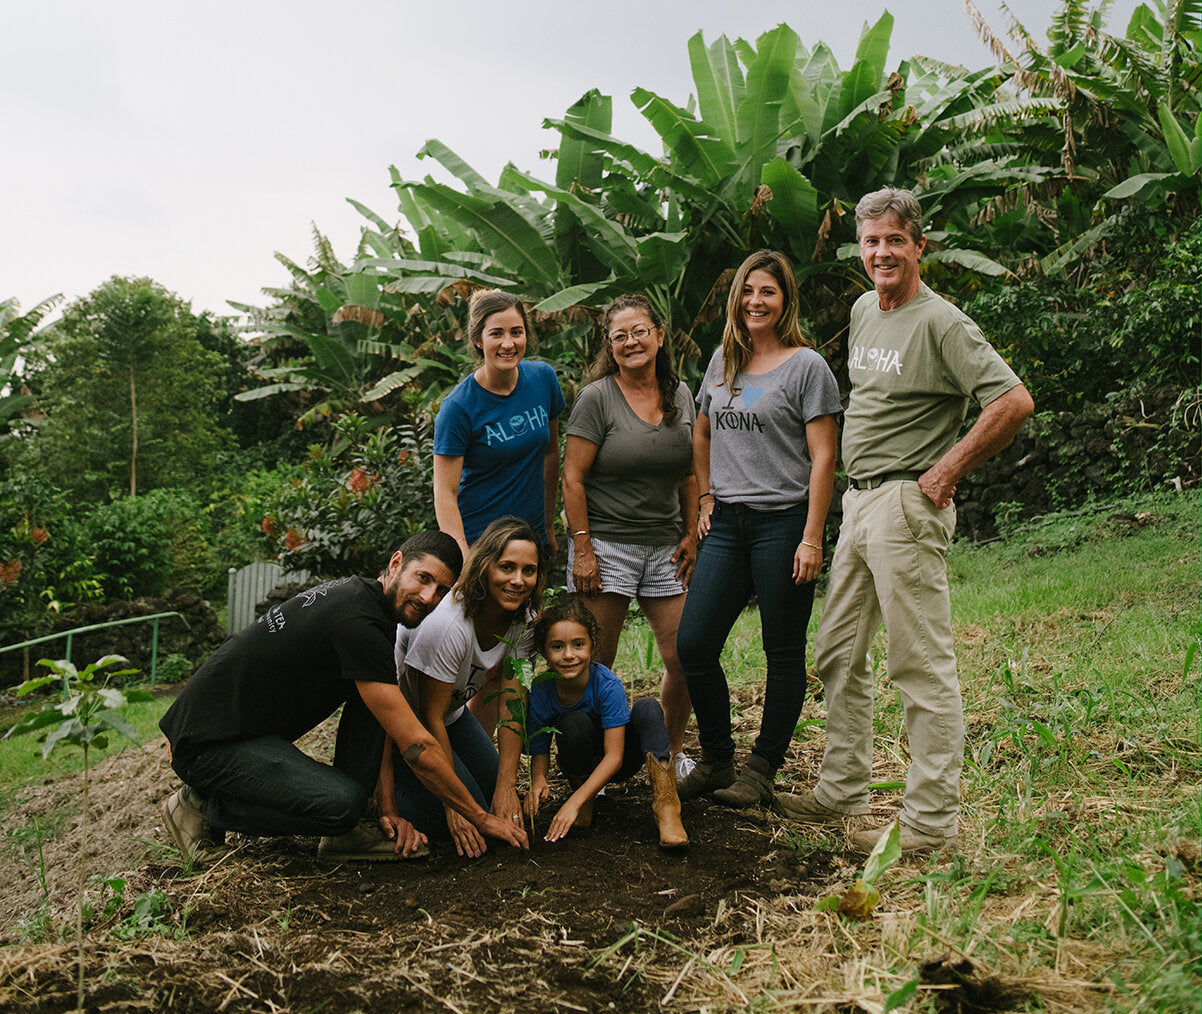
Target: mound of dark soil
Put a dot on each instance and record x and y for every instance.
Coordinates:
(271, 928)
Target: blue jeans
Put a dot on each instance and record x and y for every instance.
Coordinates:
(268, 787)
(747, 551)
(476, 762)
(580, 742)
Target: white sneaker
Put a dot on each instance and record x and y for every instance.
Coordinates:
(683, 765)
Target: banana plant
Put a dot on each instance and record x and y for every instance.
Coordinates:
(17, 335)
(339, 337)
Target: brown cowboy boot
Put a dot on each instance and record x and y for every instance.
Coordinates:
(665, 804)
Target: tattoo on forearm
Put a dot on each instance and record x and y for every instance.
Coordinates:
(413, 753)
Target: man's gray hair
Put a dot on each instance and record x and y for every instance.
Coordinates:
(891, 201)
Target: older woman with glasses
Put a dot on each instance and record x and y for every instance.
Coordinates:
(630, 496)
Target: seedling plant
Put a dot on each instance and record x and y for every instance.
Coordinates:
(522, 671)
(85, 714)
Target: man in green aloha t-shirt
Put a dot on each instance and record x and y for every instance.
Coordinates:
(915, 361)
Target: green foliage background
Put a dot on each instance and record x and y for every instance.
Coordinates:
(1060, 186)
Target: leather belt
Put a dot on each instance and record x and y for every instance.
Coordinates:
(880, 480)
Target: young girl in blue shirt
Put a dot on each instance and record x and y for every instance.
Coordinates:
(598, 738)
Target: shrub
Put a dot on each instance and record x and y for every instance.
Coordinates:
(348, 511)
(1134, 322)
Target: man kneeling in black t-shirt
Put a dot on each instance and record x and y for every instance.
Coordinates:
(230, 732)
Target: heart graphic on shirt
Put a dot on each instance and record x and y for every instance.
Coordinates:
(751, 395)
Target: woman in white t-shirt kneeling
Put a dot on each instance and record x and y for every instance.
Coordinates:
(450, 665)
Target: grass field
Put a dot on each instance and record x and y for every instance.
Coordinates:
(1077, 643)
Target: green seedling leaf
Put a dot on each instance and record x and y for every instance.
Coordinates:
(112, 698)
(69, 731)
(31, 723)
(117, 723)
(35, 684)
(886, 852)
(60, 666)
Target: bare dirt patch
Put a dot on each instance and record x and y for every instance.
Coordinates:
(270, 927)
(603, 921)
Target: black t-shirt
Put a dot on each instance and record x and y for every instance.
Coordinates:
(288, 671)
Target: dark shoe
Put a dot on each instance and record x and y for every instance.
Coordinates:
(711, 773)
(753, 787)
(187, 825)
(365, 842)
(804, 806)
(665, 804)
(912, 842)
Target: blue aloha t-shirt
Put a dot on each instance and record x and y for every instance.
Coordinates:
(502, 440)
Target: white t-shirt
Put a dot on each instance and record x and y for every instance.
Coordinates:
(445, 648)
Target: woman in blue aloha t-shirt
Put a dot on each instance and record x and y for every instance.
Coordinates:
(496, 437)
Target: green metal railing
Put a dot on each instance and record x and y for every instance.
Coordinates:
(70, 634)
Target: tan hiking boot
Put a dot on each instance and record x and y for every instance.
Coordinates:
(187, 825)
(912, 842)
(804, 806)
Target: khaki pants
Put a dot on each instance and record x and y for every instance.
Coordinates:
(890, 563)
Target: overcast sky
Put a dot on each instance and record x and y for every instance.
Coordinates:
(188, 142)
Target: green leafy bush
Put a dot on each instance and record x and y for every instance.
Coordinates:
(1132, 323)
(347, 512)
(144, 544)
(46, 565)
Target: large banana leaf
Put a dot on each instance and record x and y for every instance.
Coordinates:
(452, 163)
(612, 245)
(513, 240)
(760, 111)
(574, 295)
(794, 204)
(710, 160)
(719, 82)
(580, 162)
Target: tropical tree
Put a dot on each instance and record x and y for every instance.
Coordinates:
(773, 150)
(1125, 126)
(17, 332)
(125, 395)
(339, 340)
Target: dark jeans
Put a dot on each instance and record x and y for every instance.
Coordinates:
(580, 742)
(747, 551)
(476, 764)
(268, 787)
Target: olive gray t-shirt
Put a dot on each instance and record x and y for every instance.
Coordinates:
(913, 371)
(758, 451)
(633, 487)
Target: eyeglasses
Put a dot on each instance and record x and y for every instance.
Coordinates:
(639, 334)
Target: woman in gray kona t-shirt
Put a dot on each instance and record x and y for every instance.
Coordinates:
(764, 456)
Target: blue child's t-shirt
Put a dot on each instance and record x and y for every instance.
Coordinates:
(604, 697)
(503, 441)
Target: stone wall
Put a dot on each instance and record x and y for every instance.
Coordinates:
(1059, 460)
